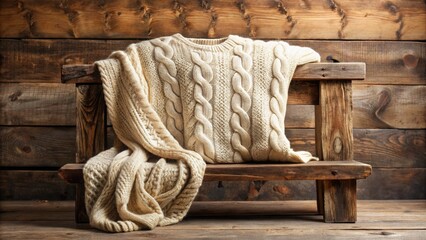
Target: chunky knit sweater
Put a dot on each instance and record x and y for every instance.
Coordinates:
(176, 103)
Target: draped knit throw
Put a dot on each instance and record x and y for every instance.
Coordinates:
(177, 103)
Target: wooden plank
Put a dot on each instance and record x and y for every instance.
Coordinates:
(390, 183)
(390, 106)
(64, 232)
(91, 122)
(374, 214)
(37, 206)
(399, 106)
(333, 121)
(391, 147)
(91, 134)
(34, 185)
(334, 142)
(321, 170)
(385, 148)
(41, 60)
(384, 183)
(15, 213)
(37, 104)
(36, 146)
(55, 146)
(400, 20)
(88, 73)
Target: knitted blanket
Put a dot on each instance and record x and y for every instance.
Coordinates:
(176, 103)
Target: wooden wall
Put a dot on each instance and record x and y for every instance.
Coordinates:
(37, 113)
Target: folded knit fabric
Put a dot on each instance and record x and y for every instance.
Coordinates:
(176, 103)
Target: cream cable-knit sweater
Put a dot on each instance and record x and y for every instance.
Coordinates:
(186, 100)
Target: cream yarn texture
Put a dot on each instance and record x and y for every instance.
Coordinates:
(176, 103)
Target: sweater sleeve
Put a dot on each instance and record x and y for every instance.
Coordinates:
(303, 55)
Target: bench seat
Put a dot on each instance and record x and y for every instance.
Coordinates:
(314, 170)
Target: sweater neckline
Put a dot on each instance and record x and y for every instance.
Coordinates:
(212, 44)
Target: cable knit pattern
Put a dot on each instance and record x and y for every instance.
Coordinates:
(163, 53)
(148, 179)
(241, 83)
(278, 101)
(203, 132)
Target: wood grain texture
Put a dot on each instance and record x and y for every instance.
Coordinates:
(55, 146)
(378, 219)
(321, 170)
(334, 142)
(374, 106)
(91, 135)
(34, 185)
(390, 106)
(91, 122)
(391, 147)
(333, 121)
(374, 214)
(41, 60)
(384, 183)
(340, 201)
(398, 20)
(393, 183)
(36, 146)
(37, 104)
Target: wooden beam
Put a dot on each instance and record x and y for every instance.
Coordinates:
(88, 73)
(40, 60)
(398, 20)
(334, 141)
(375, 107)
(322, 170)
(55, 146)
(91, 122)
(91, 134)
(384, 183)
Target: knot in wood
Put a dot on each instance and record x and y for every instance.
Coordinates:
(26, 149)
(334, 172)
(337, 145)
(410, 61)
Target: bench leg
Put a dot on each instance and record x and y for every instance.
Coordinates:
(80, 206)
(320, 196)
(339, 201)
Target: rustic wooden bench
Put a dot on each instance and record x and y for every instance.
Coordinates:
(328, 86)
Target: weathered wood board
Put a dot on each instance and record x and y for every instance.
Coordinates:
(250, 220)
(55, 146)
(378, 106)
(37, 104)
(36, 146)
(398, 20)
(41, 60)
(384, 183)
